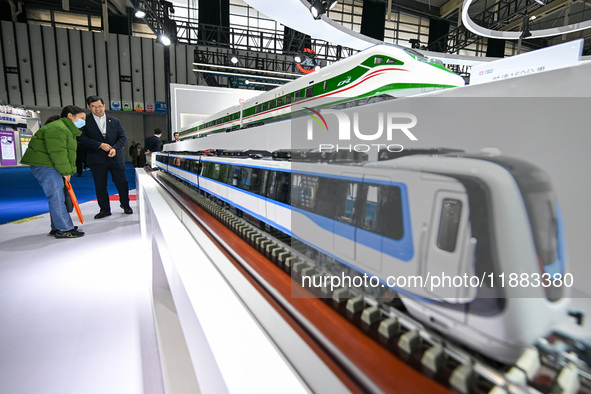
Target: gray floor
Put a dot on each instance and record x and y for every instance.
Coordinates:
(76, 314)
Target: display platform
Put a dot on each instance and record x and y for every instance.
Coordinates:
(216, 332)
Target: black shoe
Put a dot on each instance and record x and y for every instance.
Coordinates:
(54, 232)
(69, 234)
(102, 214)
(127, 210)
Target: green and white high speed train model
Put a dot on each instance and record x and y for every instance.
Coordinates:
(382, 70)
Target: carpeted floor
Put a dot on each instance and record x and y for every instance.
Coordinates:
(21, 195)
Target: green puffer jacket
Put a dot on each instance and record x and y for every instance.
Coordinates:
(54, 145)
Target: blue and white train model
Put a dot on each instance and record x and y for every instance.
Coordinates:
(482, 216)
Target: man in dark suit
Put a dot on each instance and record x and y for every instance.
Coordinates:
(105, 139)
(154, 143)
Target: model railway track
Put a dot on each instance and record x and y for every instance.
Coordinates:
(372, 347)
(360, 362)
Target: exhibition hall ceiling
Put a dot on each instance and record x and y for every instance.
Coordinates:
(117, 7)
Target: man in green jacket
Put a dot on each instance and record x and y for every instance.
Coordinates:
(52, 156)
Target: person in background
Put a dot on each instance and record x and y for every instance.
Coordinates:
(104, 139)
(139, 156)
(177, 136)
(52, 118)
(131, 148)
(51, 154)
(154, 143)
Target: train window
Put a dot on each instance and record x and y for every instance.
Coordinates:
(325, 83)
(449, 224)
(215, 171)
(283, 183)
(346, 200)
(207, 169)
(390, 211)
(249, 179)
(226, 172)
(288, 99)
(278, 186)
(378, 60)
(257, 109)
(271, 183)
(223, 174)
(257, 178)
(382, 211)
(271, 104)
(234, 176)
(309, 91)
(279, 103)
(297, 95)
(392, 61)
(264, 107)
(195, 167)
(243, 178)
(304, 190)
(263, 176)
(326, 197)
(369, 217)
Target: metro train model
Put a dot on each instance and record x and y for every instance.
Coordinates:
(380, 71)
(420, 215)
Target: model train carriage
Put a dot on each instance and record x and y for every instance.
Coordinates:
(415, 216)
(380, 70)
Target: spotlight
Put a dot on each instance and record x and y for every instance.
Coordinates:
(171, 10)
(541, 2)
(298, 58)
(247, 82)
(140, 14)
(234, 58)
(317, 9)
(165, 40)
(330, 4)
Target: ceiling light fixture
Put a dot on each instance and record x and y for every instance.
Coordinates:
(330, 4)
(317, 9)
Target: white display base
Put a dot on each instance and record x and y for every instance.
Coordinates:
(216, 332)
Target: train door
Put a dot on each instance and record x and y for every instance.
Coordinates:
(260, 190)
(368, 237)
(270, 193)
(241, 112)
(448, 246)
(346, 194)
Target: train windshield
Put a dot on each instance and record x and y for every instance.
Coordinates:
(418, 55)
(544, 219)
(541, 208)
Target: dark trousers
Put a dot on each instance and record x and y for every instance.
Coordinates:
(100, 176)
(80, 161)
